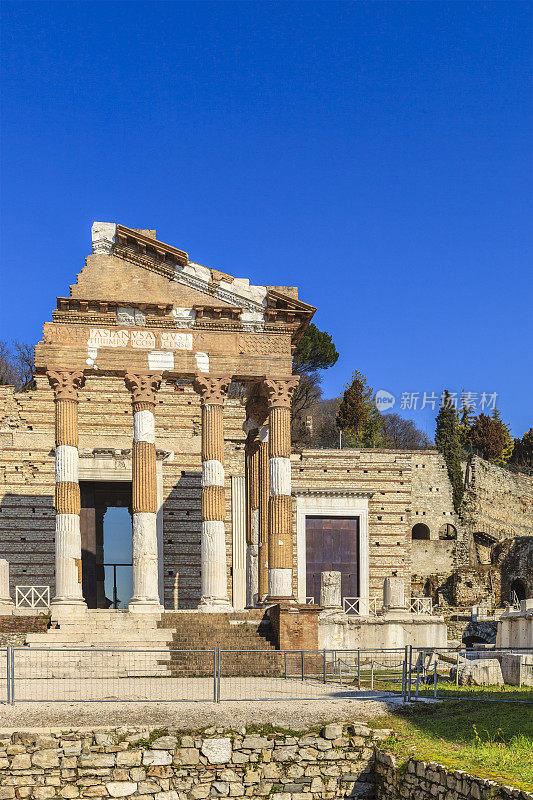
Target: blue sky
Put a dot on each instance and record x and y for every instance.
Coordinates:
(377, 155)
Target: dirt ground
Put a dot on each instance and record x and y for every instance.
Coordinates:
(293, 714)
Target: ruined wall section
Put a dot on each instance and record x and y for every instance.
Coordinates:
(497, 501)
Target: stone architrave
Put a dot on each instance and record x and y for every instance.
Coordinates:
(330, 590)
(6, 603)
(212, 390)
(69, 595)
(278, 393)
(145, 597)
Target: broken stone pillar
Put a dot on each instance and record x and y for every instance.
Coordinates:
(330, 591)
(278, 392)
(394, 595)
(6, 603)
(144, 494)
(69, 594)
(212, 391)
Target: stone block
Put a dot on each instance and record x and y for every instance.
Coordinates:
(164, 743)
(187, 755)
(121, 788)
(157, 757)
(481, 672)
(217, 751)
(46, 759)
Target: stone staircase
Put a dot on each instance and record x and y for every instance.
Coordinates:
(247, 639)
(80, 644)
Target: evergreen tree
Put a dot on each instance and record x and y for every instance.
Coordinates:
(522, 456)
(508, 440)
(465, 422)
(447, 442)
(356, 408)
(488, 436)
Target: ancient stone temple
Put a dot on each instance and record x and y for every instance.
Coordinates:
(131, 384)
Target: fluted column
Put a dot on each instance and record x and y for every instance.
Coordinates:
(212, 390)
(278, 392)
(264, 491)
(69, 595)
(144, 493)
(256, 414)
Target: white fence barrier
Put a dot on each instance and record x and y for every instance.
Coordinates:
(32, 597)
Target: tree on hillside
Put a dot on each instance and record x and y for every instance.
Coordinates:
(508, 440)
(314, 352)
(466, 420)
(16, 364)
(487, 435)
(356, 408)
(522, 456)
(447, 442)
(402, 434)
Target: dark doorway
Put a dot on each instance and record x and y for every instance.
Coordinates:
(105, 523)
(518, 590)
(420, 531)
(332, 543)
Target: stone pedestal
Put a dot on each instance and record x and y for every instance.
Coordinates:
(6, 603)
(145, 597)
(394, 597)
(330, 591)
(212, 391)
(68, 598)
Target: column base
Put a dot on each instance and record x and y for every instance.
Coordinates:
(211, 605)
(66, 610)
(145, 607)
(7, 608)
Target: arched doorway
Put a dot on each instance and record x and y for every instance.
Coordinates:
(518, 590)
(420, 531)
(447, 531)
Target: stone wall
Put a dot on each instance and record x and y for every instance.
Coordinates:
(162, 765)
(434, 782)
(498, 501)
(340, 761)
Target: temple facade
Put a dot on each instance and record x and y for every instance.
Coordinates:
(129, 409)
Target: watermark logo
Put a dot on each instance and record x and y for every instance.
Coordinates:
(384, 400)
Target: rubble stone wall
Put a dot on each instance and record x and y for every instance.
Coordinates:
(498, 501)
(429, 781)
(161, 765)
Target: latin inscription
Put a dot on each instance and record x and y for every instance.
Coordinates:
(146, 340)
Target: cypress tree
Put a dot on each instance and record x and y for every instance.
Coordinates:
(447, 442)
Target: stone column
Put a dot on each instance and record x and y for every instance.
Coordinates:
(6, 603)
(256, 414)
(212, 391)
(69, 595)
(264, 492)
(144, 494)
(278, 392)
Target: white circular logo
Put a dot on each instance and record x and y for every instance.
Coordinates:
(384, 400)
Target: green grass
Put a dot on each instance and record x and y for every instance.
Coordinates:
(448, 689)
(489, 740)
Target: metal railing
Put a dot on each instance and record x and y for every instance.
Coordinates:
(32, 597)
(32, 674)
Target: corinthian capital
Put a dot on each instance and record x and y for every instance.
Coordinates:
(143, 387)
(212, 389)
(278, 391)
(66, 384)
